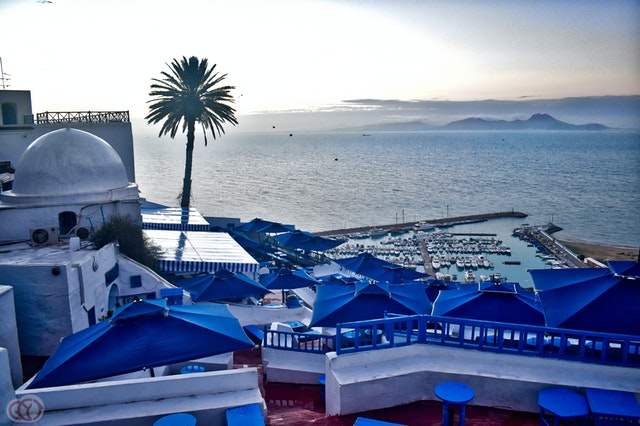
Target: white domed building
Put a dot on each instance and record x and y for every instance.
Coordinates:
(67, 183)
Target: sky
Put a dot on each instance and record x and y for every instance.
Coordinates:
(293, 56)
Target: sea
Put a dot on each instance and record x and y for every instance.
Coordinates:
(586, 182)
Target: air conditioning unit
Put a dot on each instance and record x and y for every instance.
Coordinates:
(42, 236)
(83, 233)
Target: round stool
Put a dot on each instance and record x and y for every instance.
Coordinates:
(453, 394)
(192, 369)
(177, 419)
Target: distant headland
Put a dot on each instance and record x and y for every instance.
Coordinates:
(537, 122)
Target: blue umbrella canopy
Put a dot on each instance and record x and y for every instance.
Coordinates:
(224, 284)
(367, 265)
(285, 279)
(489, 301)
(625, 268)
(307, 241)
(255, 225)
(276, 228)
(433, 287)
(591, 299)
(342, 303)
(396, 274)
(139, 335)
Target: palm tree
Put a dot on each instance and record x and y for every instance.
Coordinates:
(189, 94)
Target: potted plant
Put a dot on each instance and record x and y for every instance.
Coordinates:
(292, 301)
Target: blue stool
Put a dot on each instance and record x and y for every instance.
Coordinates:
(453, 394)
(178, 419)
(564, 405)
(613, 407)
(192, 369)
(363, 421)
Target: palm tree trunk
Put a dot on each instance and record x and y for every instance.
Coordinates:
(186, 183)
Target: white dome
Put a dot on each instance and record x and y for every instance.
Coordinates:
(66, 162)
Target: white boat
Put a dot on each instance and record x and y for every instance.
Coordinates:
(469, 277)
(435, 262)
(460, 263)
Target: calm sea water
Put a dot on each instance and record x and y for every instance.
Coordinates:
(586, 182)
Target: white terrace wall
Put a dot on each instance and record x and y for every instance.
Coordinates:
(140, 402)
(390, 377)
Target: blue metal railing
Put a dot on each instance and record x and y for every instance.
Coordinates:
(397, 330)
(301, 342)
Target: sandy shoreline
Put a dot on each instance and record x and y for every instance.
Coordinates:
(602, 253)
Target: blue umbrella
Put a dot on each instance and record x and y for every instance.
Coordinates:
(367, 265)
(434, 287)
(591, 299)
(489, 301)
(625, 268)
(396, 274)
(276, 228)
(139, 335)
(336, 304)
(285, 279)
(224, 284)
(255, 225)
(307, 241)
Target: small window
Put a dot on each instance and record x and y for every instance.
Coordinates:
(9, 114)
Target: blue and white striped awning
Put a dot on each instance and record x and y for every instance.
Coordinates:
(185, 251)
(173, 218)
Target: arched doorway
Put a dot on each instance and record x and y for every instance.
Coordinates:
(114, 293)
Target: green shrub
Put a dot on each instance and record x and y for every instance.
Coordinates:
(131, 240)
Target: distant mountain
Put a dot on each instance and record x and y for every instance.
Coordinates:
(535, 122)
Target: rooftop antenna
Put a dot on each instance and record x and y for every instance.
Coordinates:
(4, 76)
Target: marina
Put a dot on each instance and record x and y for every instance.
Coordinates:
(444, 250)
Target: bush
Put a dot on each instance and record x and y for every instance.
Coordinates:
(131, 240)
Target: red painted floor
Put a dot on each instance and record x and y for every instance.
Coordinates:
(289, 404)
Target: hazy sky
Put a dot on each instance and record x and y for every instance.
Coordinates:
(76, 55)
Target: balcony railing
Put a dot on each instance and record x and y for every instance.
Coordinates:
(82, 117)
(395, 331)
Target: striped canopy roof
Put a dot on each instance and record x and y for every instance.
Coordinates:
(174, 218)
(186, 251)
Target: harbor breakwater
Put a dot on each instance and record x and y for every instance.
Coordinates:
(407, 226)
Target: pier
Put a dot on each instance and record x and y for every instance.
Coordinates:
(407, 226)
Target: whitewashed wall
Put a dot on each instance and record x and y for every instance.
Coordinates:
(9, 334)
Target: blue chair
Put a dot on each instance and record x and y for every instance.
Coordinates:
(177, 419)
(453, 395)
(562, 406)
